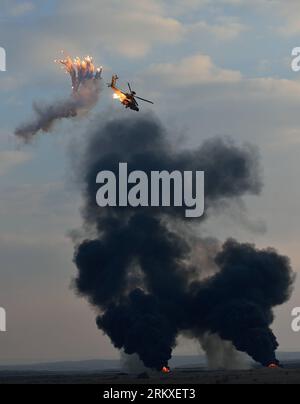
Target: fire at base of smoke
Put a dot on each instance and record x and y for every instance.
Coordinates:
(158, 184)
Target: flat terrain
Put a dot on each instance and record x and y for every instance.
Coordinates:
(178, 376)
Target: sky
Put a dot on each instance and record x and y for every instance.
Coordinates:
(213, 67)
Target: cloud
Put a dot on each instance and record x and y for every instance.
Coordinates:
(180, 8)
(9, 83)
(17, 9)
(283, 16)
(290, 12)
(50, 199)
(194, 70)
(224, 29)
(12, 159)
(131, 28)
(199, 70)
(274, 87)
(263, 110)
(219, 25)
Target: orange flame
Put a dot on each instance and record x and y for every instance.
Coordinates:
(119, 96)
(166, 370)
(273, 366)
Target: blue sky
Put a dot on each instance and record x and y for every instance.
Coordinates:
(213, 67)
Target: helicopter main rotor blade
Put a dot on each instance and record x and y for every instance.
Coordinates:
(143, 99)
(129, 86)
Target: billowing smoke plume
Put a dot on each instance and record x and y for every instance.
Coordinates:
(85, 94)
(139, 267)
(132, 364)
(237, 302)
(222, 354)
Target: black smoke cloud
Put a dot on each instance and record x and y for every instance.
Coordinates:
(237, 302)
(137, 269)
(46, 115)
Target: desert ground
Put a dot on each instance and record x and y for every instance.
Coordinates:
(177, 376)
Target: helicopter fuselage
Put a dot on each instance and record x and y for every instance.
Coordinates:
(127, 99)
(130, 102)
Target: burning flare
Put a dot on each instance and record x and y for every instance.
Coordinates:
(80, 70)
(166, 370)
(86, 90)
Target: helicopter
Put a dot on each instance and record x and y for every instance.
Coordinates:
(127, 99)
